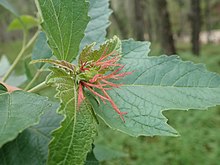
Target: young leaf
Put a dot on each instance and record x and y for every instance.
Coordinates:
(19, 110)
(88, 54)
(157, 84)
(27, 20)
(99, 13)
(41, 49)
(31, 146)
(72, 140)
(64, 23)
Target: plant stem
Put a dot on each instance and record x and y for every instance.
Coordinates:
(39, 87)
(33, 80)
(21, 53)
(25, 36)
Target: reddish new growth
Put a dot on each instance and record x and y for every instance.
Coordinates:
(101, 80)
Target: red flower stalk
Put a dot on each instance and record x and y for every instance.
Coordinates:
(101, 81)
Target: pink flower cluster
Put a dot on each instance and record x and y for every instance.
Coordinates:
(103, 81)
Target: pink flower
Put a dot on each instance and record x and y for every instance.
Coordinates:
(102, 81)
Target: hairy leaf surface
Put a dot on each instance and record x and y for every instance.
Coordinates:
(18, 111)
(89, 54)
(64, 22)
(157, 84)
(73, 139)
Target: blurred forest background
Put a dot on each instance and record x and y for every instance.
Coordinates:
(189, 28)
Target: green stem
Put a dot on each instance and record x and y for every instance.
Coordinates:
(39, 87)
(35, 77)
(21, 53)
(33, 80)
(25, 36)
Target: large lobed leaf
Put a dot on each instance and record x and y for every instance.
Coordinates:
(31, 146)
(64, 22)
(95, 31)
(18, 111)
(157, 84)
(73, 139)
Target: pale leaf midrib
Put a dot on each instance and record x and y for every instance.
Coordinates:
(58, 25)
(74, 125)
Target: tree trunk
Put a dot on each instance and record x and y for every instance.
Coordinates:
(182, 18)
(149, 21)
(208, 20)
(121, 26)
(139, 19)
(195, 25)
(165, 31)
(118, 17)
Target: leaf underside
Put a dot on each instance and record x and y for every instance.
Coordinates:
(64, 23)
(157, 84)
(99, 13)
(41, 49)
(73, 139)
(18, 111)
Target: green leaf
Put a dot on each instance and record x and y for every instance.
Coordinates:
(91, 159)
(64, 23)
(103, 153)
(28, 69)
(41, 49)
(5, 65)
(3, 89)
(157, 84)
(8, 6)
(72, 140)
(99, 13)
(19, 110)
(31, 146)
(89, 54)
(27, 20)
(99, 21)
